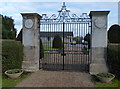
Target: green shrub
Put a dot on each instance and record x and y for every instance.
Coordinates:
(13, 71)
(6, 34)
(57, 42)
(41, 50)
(12, 55)
(87, 38)
(113, 34)
(113, 59)
(8, 28)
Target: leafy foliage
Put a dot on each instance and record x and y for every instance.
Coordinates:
(113, 59)
(57, 42)
(12, 55)
(13, 71)
(106, 75)
(113, 34)
(8, 30)
(87, 38)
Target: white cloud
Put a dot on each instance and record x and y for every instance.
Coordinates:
(59, 1)
(14, 9)
(49, 5)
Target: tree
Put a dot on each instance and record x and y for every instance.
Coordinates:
(113, 34)
(57, 42)
(8, 30)
(87, 38)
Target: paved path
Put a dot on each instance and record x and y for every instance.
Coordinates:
(43, 78)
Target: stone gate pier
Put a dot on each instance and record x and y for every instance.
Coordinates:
(31, 41)
(99, 41)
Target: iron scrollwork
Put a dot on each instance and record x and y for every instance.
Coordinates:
(64, 16)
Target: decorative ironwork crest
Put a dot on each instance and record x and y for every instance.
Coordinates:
(64, 16)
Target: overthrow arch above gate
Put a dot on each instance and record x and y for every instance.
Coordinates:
(64, 16)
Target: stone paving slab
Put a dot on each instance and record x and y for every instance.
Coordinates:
(43, 78)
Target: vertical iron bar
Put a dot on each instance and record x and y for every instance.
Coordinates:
(90, 26)
(63, 43)
(73, 30)
(81, 32)
(55, 58)
(68, 39)
(77, 47)
(80, 50)
(48, 64)
(84, 43)
(86, 46)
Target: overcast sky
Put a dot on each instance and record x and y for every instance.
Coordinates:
(13, 9)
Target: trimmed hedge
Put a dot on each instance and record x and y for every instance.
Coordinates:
(12, 55)
(114, 59)
(6, 34)
(57, 42)
(113, 34)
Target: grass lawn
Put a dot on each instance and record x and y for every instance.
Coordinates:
(7, 82)
(115, 83)
(0, 81)
(46, 54)
(46, 47)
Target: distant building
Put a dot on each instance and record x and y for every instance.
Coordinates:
(49, 36)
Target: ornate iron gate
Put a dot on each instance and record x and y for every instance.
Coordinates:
(75, 34)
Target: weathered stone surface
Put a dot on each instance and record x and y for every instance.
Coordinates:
(31, 34)
(30, 66)
(98, 41)
(99, 28)
(98, 68)
(99, 54)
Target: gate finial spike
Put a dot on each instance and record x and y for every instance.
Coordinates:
(63, 3)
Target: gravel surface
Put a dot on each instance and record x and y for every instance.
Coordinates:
(43, 78)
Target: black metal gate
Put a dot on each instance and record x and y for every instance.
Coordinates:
(75, 34)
